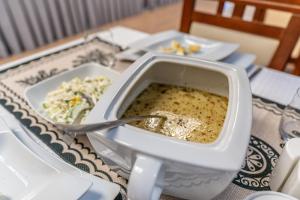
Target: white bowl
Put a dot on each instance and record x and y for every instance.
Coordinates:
(37, 93)
(157, 162)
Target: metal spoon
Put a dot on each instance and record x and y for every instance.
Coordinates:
(80, 115)
(69, 138)
(81, 129)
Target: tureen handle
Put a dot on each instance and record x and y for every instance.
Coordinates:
(146, 179)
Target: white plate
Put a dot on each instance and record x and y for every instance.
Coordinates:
(99, 190)
(269, 195)
(36, 94)
(122, 36)
(25, 176)
(211, 49)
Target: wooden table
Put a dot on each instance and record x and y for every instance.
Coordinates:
(150, 21)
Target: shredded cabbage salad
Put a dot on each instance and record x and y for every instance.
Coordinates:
(66, 102)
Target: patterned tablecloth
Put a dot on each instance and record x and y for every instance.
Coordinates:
(263, 152)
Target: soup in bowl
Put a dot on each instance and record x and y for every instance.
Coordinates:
(199, 146)
(189, 114)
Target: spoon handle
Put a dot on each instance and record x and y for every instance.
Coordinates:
(83, 128)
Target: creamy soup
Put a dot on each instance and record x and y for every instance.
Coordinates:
(191, 114)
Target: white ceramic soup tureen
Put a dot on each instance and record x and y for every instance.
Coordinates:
(160, 163)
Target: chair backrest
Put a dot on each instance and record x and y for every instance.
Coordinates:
(287, 36)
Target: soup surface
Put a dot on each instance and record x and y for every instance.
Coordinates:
(191, 114)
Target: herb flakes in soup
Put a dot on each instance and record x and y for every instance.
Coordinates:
(191, 114)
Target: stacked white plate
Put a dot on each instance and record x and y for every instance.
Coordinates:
(30, 171)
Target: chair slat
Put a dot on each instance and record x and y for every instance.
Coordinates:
(259, 14)
(289, 39)
(268, 4)
(238, 10)
(297, 66)
(220, 7)
(238, 24)
(186, 18)
(288, 1)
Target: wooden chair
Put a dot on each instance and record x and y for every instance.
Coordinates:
(287, 36)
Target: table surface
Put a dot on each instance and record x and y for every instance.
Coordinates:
(265, 134)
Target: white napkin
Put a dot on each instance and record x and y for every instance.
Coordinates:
(275, 85)
(122, 36)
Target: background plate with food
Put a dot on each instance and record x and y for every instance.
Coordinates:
(174, 42)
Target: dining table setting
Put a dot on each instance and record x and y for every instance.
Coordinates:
(48, 156)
